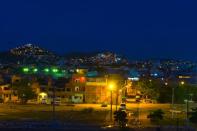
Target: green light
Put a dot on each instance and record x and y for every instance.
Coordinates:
(25, 69)
(46, 70)
(55, 70)
(35, 70)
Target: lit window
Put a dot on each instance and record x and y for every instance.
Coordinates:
(76, 88)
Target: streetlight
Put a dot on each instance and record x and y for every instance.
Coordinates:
(187, 104)
(25, 69)
(182, 82)
(173, 91)
(111, 88)
(172, 102)
(35, 70)
(119, 96)
(46, 70)
(55, 70)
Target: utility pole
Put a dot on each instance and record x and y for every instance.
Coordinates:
(187, 108)
(111, 108)
(172, 102)
(117, 94)
(54, 115)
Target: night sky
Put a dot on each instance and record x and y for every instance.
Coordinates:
(136, 28)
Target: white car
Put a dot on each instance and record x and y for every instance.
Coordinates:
(122, 106)
(57, 101)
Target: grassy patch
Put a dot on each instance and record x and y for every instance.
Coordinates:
(86, 115)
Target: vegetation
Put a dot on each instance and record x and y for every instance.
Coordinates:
(121, 118)
(156, 116)
(156, 90)
(193, 117)
(149, 89)
(24, 90)
(44, 113)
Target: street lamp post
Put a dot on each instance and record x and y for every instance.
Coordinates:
(172, 105)
(111, 86)
(172, 102)
(111, 107)
(187, 106)
(187, 112)
(54, 117)
(117, 94)
(173, 91)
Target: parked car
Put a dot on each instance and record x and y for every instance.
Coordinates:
(104, 104)
(122, 106)
(57, 101)
(131, 99)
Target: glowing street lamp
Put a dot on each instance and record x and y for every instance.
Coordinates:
(187, 104)
(173, 91)
(35, 70)
(46, 70)
(55, 70)
(111, 87)
(25, 70)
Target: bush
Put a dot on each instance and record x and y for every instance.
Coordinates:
(193, 117)
(156, 116)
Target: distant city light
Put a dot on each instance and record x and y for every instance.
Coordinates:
(55, 70)
(46, 70)
(155, 74)
(134, 78)
(35, 70)
(25, 69)
(184, 77)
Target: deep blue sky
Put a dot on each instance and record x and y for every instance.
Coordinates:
(137, 28)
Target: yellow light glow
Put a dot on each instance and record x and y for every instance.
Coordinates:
(77, 70)
(184, 77)
(111, 86)
(43, 94)
(182, 82)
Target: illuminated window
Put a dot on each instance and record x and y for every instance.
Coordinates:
(77, 80)
(76, 88)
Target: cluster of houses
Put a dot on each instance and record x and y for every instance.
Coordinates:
(81, 87)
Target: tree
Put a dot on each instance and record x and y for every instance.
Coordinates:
(24, 90)
(165, 95)
(149, 89)
(193, 117)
